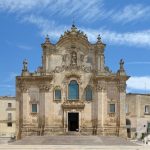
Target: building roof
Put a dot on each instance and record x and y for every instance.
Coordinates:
(138, 94)
(7, 98)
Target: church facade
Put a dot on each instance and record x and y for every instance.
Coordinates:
(73, 91)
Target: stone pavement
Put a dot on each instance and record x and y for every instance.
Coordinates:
(71, 147)
(73, 140)
(73, 143)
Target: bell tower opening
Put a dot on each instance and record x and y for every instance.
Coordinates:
(73, 121)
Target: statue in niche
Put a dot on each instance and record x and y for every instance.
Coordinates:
(73, 58)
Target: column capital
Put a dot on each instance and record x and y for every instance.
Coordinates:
(44, 87)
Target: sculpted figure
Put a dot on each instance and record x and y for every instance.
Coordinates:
(25, 65)
(74, 58)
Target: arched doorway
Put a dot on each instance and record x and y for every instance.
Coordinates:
(128, 125)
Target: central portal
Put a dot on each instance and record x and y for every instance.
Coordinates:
(73, 121)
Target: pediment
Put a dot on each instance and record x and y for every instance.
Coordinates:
(74, 37)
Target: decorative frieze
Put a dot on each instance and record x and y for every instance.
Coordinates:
(73, 104)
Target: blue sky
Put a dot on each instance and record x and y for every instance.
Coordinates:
(124, 26)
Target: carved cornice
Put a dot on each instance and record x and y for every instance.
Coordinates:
(34, 78)
(24, 83)
(73, 104)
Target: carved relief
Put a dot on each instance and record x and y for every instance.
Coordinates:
(73, 104)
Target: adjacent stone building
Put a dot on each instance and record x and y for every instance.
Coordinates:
(137, 114)
(73, 90)
(7, 117)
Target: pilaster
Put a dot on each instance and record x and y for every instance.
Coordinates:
(122, 119)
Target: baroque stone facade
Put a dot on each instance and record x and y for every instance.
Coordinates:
(73, 90)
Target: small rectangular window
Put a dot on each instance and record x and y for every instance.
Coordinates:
(57, 94)
(34, 108)
(112, 108)
(147, 109)
(9, 105)
(9, 124)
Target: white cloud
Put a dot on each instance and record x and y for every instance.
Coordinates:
(46, 26)
(87, 11)
(131, 13)
(139, 83)
(24, 47)
(140, 38)
(65, 8)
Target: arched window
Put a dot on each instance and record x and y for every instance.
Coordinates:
(88, 93)
(57, 95)
(73, 90)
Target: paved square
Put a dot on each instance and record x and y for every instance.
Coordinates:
(73, 140)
